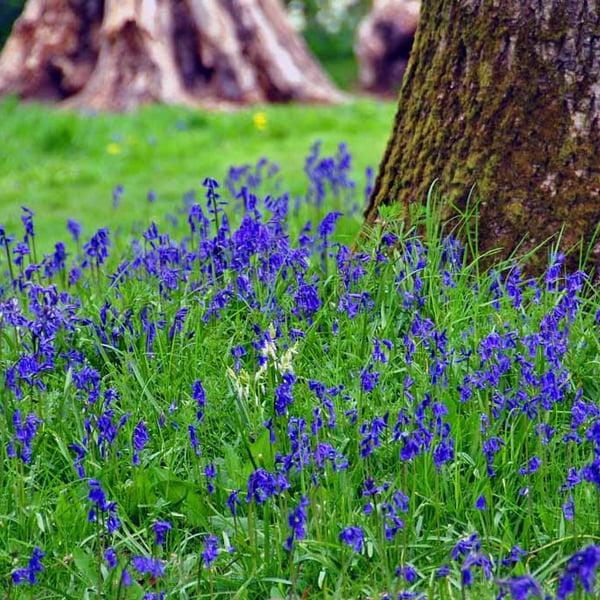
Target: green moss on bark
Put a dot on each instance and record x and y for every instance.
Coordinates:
(489, 100)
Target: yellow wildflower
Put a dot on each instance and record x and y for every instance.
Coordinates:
(113, 148)
(260, 121)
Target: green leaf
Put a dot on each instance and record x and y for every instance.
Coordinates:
(233, 466)
(86, 565)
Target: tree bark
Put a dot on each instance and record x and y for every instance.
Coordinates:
(52, 49)
(194, 52)
(503, 96)
(382, 44)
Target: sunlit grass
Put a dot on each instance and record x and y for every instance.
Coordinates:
(65, 165)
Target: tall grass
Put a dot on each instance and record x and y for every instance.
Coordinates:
(234, 404)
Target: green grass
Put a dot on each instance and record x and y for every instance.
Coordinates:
(60, 164)
(342, 67)
(432, 382)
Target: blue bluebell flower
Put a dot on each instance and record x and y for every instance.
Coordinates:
(160, 529)
(29, 574)
(354, 537)
(108, 510)
(297, 521)
(110, 556)
(211, 550)
(233, 501)
(194, 440)
(140, 438)
(580, 567)
(210, 472)
(480, 503)
(20, 445)
(199, 395)
(262, 485)
(145, 565)
(117, 193)
(408, 572)
(521, 587)
(466, 545)
(284, 396)
(27, 220)
(96, 249)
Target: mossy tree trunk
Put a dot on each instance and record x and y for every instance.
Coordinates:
(117, 54)
(502, 99)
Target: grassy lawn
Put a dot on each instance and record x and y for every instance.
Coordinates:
(229, 403)
(65, 165)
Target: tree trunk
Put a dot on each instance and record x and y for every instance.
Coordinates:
(503, 96)
(382, 44)
(118, 54)
(52, 49)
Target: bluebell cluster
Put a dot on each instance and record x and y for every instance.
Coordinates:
(252, 394)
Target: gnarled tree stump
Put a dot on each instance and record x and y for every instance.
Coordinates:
(52, 49)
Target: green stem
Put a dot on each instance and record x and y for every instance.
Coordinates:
(437, 504)
(598, 505)
(99, 528)
(9, 261)
(293, 573)
(267, 531)
(405, 529)
(252, 535)
(198, 575)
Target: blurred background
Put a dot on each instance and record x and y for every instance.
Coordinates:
(116, 168)
(328, 27)
(9, 11)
